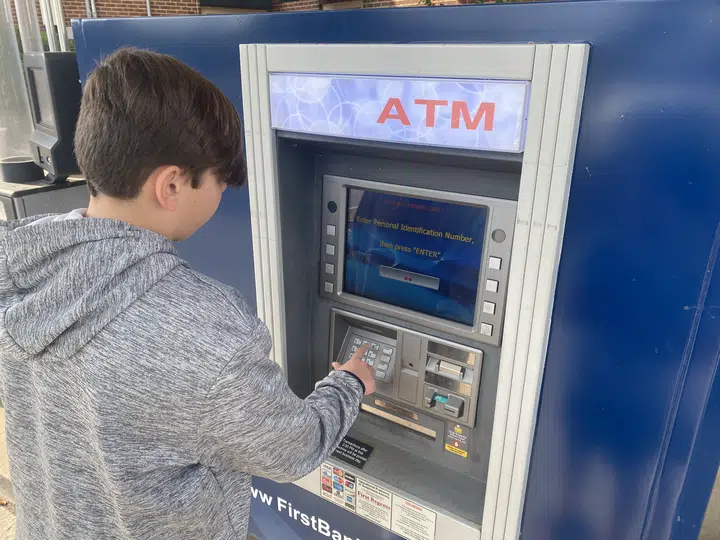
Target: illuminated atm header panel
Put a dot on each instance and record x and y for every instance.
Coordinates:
(434, 258)
(472, 114)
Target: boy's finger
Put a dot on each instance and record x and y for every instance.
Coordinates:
(335, 365)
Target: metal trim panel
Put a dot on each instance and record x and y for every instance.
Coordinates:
(447, 526)
(544, 186)
(510, 62)
(500, 215)
(565, 85)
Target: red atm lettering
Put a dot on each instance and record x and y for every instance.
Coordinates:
(430, 105)
(460, 108)
(394, 110)
(393, 104)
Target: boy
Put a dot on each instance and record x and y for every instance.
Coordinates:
(139, 394)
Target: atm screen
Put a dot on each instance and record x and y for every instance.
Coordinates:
(417, 254)
(40, 97)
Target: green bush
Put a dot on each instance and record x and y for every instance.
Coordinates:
(44, 37)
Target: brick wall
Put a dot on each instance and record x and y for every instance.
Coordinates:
(302, 5)
(75, 9)
(296, 5)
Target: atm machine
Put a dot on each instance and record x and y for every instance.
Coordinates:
(413, 196)
(418, 209)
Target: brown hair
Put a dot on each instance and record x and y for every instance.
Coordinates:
(142, 110)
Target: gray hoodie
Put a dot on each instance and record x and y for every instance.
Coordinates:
(139, 395)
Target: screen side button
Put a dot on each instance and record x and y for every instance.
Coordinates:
(329, 249)
(489, 308)
(491, 285)
(329, 287)
(329, 268)
(486, 329)
(494, 263)
(330, 230)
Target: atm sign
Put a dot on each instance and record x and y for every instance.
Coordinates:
(394, 110)
(455, 113)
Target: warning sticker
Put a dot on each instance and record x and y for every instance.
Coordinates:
(374, 503)
(456, 440)
(412, 520)
(353, 452)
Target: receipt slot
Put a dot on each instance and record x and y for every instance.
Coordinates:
(416, 208)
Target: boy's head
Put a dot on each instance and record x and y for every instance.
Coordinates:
(156, 136)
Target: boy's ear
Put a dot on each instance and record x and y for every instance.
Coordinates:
(168, 182)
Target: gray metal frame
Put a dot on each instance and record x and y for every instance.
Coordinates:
(501, 216)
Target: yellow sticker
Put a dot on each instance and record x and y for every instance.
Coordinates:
(457, 451)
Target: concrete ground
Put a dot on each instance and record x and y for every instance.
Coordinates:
(711, 525)
(710, 530)
(7, 524)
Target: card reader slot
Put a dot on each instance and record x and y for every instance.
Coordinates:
(451, 370)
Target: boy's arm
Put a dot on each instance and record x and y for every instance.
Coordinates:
(252, 422)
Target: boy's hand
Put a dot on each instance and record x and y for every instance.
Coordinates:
(360, 369)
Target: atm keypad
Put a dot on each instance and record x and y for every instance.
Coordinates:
(378, 356)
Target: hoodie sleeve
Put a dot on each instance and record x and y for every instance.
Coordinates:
(252, 422)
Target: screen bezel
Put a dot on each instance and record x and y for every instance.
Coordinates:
(38, 62)
(33, 84)
(486, 238)
(501, 213)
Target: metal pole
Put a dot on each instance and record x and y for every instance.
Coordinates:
(149, 11)
(29, 27)
(59, 17)
(47, 19)
(93, 7)
(88, 9)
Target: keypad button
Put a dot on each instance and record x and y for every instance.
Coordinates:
(374, 347)
(494, 263)
(370, 362)
(486, 329)
(329, 249)
(382, 366)
(384, 358)
(380, 375)
(492, 285)
(357, 341)
(330, 230)
(489, 308)
(354, 348)
(372, 355)
(387, 350)
(329, 268)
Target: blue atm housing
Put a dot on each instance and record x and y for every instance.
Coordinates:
(628, 431)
